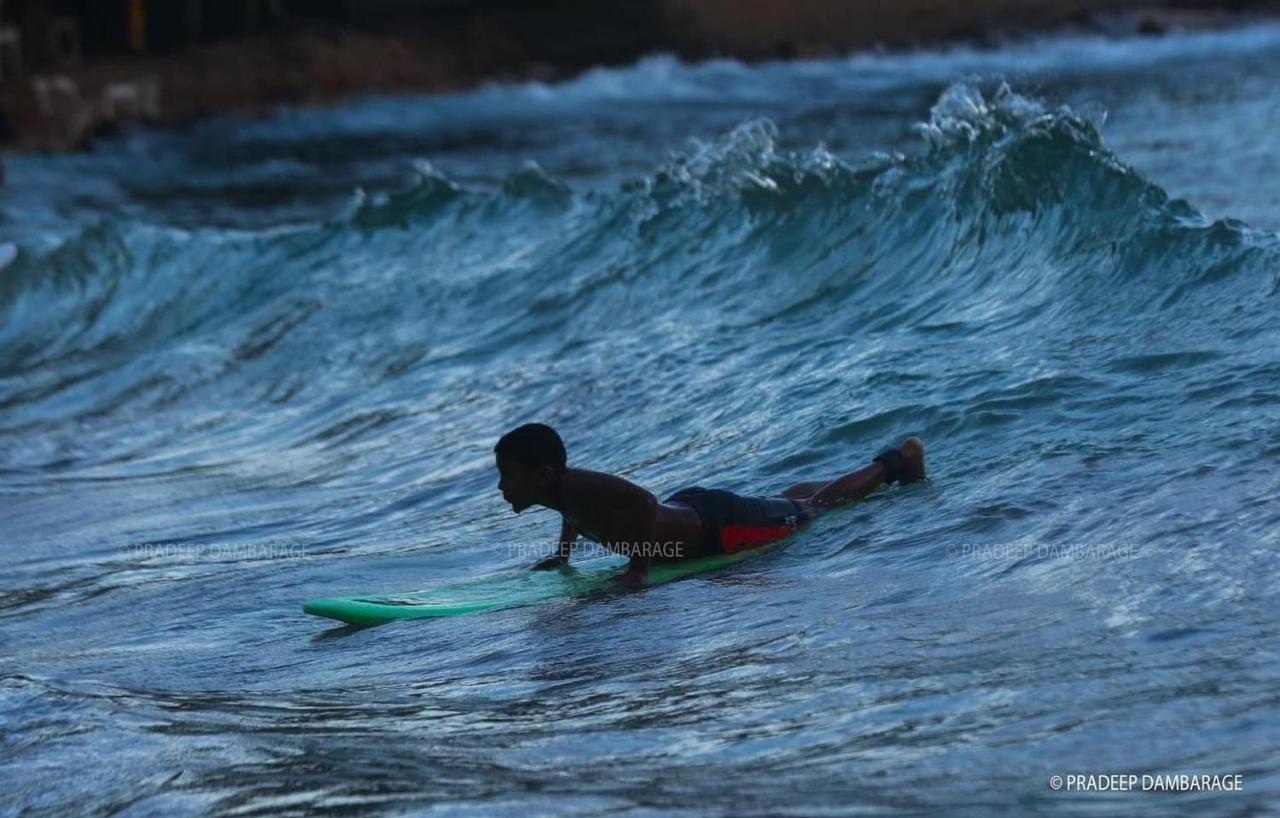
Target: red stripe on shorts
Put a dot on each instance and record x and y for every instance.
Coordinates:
(741, 537)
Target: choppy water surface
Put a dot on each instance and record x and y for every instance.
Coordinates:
(261, 361)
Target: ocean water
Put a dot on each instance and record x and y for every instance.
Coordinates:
(258, 361)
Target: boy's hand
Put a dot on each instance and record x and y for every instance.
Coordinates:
(568, 535)
(631, 578)
(635, 576)
(553, 561)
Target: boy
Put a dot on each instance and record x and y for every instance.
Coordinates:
(693, 522)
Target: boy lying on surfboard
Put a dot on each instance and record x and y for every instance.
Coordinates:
(693, 522)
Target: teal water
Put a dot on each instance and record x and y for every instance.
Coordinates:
(255, 362)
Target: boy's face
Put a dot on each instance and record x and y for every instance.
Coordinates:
(521, 484)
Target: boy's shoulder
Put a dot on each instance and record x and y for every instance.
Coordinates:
(596, 484)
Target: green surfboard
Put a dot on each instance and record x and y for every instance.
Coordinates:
(507, 590)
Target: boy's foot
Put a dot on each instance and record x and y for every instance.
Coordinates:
(904, 464)
(912, 450)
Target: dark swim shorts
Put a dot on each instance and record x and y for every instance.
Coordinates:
(731, 522)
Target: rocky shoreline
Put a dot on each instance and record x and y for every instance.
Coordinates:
(318, 63)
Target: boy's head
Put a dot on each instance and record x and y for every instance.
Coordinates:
(530, 458)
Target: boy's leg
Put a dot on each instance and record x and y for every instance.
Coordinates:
(858, 484)
(802, 490)
(852, 486)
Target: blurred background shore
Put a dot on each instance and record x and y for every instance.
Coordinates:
(74, 71)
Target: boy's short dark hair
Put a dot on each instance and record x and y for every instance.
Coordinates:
(534, 444)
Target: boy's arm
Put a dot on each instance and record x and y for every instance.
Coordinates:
(641, 517)
(568, 536)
